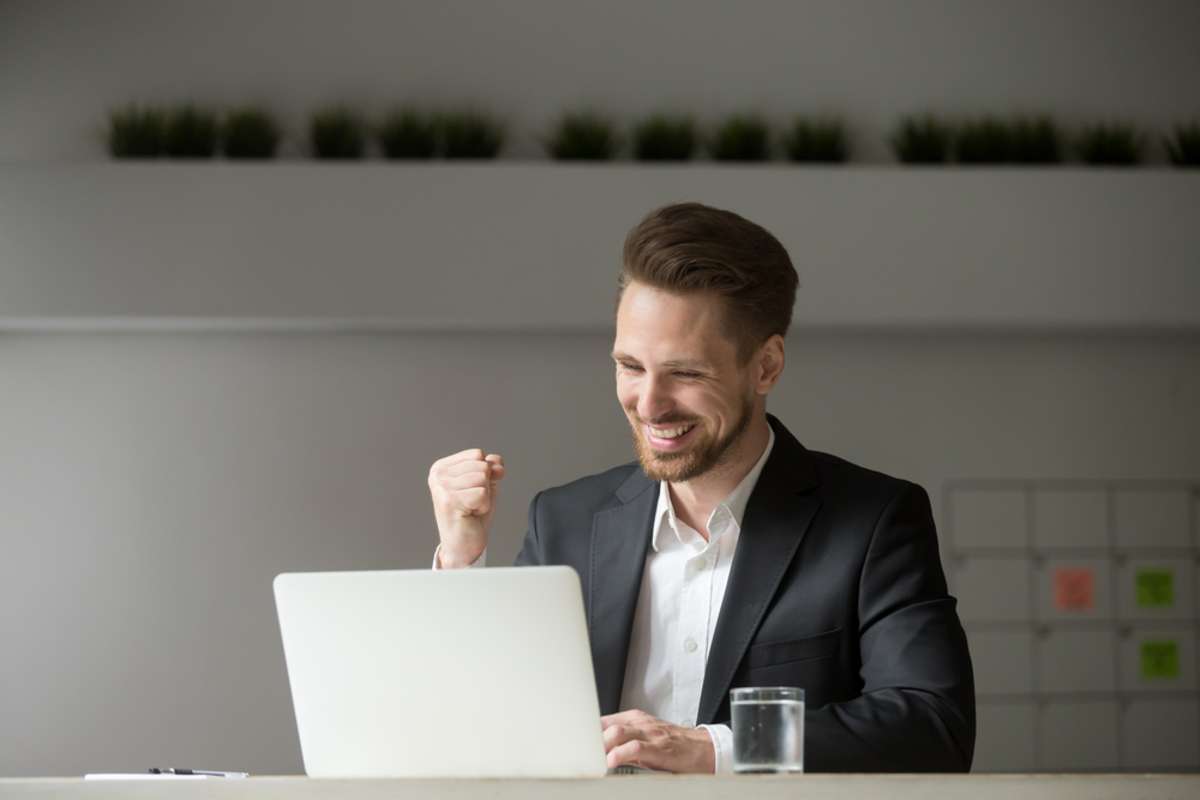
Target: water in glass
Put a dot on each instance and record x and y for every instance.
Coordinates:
(768, 735)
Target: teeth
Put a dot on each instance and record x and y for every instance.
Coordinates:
(669, 433)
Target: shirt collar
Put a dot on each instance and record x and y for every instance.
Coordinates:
(734, 504)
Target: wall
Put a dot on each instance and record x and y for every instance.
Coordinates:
(154, 482)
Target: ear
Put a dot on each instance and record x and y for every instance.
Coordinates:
(768, 364)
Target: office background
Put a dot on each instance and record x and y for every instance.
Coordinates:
(210, 374)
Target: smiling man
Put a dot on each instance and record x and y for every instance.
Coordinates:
(729, 554)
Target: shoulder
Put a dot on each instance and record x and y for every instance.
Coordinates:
(591, 492)
(852, 485)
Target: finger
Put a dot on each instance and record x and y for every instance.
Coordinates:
(623, 717)
(635, 752)
(495, 458)
(470, 454)
(469, 481)
(497, 472)
(474, 500)
(464, 467)
(615, 735)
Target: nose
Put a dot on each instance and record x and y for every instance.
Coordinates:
(655, 400)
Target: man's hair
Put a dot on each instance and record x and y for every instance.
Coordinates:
(689, 247)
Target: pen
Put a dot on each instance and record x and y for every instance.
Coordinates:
(212, 772)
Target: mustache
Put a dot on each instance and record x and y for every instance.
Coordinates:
(664, 421)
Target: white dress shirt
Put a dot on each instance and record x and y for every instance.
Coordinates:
(683, 586)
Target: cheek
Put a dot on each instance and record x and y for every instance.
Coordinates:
(626, 393)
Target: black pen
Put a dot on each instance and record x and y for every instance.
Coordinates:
(214, 773)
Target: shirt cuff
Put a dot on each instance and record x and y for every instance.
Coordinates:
(722, 739)
(479, 562)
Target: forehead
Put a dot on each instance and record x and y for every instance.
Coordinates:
(657, 325)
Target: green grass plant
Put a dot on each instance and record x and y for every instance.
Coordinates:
(190, 132)
(741, 137)
(337, 133)
(470, 134)
(814, 140)
(408, 134)
(1035, 140)
(665, 137)
(136, 132)
(583, 136)
(921, 139)
(1183, 145)
(1110, 144)
(249, 133)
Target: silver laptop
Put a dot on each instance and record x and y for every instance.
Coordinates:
(463, 673)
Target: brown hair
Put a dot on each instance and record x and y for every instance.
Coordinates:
(689, 247)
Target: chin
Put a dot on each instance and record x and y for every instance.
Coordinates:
(673, 467)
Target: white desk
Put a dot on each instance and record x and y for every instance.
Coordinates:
(635, 787)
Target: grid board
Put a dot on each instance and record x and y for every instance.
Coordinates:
(1081, 603)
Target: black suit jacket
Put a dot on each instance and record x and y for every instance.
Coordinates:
(835, 587)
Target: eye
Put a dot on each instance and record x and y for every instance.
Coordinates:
(686, 374)
(629, 367)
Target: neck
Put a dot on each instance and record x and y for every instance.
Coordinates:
(695, 499)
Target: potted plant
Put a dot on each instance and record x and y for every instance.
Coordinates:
(249, 133)
(1035, 140)
(664, 137)
(741, 137)
(921, 139)
(815, 140)
(470, 134)
(407, 133)
(1110, 144)
(135, 132)
(583, 136)
(1183, 145)
(337, 133)
(986, 140)
(190, 132)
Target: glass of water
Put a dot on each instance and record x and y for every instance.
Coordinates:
(768, 729)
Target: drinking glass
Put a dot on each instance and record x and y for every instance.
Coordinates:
(768, 729)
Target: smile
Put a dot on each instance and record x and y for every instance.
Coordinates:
(668, 438)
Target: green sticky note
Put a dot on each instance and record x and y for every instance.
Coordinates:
(1160, 659)
(1155, 588)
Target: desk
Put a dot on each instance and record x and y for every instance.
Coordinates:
(633, 787)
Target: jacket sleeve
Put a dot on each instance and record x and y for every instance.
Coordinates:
(916, 712)
(531, 554)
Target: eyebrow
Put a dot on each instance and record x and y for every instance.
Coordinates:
(672, 363)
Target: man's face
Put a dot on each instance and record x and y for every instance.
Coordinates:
(678, 379)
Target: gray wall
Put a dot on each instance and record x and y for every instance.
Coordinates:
(153, 483)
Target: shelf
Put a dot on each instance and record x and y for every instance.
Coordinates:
(536, 246)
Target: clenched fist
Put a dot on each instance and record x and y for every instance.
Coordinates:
(463, 487)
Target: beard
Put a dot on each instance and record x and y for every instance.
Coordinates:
(703, 455)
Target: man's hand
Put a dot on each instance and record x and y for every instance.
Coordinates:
(635, 737)
(463, 488)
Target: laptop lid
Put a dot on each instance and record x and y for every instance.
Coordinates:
(462, 673)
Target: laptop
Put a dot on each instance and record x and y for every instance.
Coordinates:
(462, 673)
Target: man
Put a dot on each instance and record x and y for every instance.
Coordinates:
(729, 554)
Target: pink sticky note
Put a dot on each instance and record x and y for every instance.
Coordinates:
(1074, 589)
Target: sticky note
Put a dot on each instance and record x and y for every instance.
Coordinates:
(1074, 589)
(1160, 659)
(1155, 588)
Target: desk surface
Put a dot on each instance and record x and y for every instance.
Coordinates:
(636, 787)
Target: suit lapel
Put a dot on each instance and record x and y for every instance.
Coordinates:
(620, 539)
(780, 510)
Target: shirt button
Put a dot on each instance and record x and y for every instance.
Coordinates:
(690, 645)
